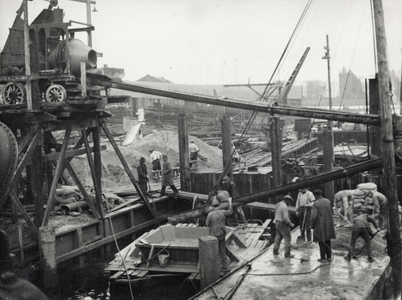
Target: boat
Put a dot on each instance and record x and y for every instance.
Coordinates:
(171, 250)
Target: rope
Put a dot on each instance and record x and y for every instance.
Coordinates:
(121, 256)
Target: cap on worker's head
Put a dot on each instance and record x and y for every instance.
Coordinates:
(164, 155)
(192, 141)
(215, 202)
(151, 150)
(226, 178)
(142, 159)
(287, 197)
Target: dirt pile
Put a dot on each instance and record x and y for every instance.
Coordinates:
(162, 141)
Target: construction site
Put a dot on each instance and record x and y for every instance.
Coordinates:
(74, 137)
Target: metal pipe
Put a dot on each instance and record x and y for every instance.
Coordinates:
(261, 107)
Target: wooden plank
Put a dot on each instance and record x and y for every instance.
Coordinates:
(142, 273)
(116, 275)
(56, 176)
(151, 253)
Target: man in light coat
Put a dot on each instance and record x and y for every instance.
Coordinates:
(283, 226)
(322, 223)
(304, 202)
(167, 176)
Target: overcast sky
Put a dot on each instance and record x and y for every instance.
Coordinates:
(229, 41)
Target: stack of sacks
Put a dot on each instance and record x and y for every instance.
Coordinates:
(110, 200)
(360, 199)
(66, 194)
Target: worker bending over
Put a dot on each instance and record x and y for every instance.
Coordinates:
(216, 222)
(343, 204)
(362, 228)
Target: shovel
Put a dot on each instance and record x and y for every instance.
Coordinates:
(345, 219)
(300, 239)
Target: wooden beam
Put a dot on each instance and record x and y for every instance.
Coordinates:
(56, 176)
(81, 188)
(388, 153)
(283, 189)
(184, 159)
(260, 107)
(226, 145)
(31, 226)
(97, 187)
(276, 146)
(98, 160)
(128, 171)
(36, 180)
(20, 167)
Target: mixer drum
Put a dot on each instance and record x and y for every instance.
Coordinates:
(75, 52)
(8, 156)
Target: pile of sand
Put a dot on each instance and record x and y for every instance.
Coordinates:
(162, 141)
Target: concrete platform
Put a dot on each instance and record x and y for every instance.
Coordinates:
(303, 277)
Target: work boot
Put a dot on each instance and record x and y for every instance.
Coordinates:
(276, 253)
(329, 259)
(370, 259)
(289, 256)
(347, 257)
(322, 260)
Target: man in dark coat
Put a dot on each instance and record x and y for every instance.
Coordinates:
(142, 176)
(323, 224)
(167, 176)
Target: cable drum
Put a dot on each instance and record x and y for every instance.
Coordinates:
(8, 156)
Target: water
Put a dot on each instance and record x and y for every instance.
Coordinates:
(91, 283)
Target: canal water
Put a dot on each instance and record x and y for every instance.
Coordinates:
(92, 283)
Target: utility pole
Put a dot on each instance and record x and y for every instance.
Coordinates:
(328, 137)
(27, 51)
(387, 147)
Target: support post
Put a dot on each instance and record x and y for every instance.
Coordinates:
(226, 144)
(83, 69)
(37, 182)
(184, 159)
(328, 149)
(276, 151)
(97, 159)
(209, 263)
(48, 262)
(389, 169)
(27, 55)
(97, 186)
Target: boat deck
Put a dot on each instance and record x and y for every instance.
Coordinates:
(243, 242)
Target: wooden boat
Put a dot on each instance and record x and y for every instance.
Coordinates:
(173, 250)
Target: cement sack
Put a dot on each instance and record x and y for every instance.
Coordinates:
(358, 205)
(369, 207)
(368, 186)
(356, 201)
(359, 194)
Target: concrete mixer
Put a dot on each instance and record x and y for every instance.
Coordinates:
(55, 55)
(8, 156)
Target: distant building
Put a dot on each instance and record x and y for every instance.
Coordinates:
(350, 86)
(149, 78)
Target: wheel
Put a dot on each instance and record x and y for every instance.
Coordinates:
(14, 93)
(55, 93)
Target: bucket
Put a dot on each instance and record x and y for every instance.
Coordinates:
(163, 258)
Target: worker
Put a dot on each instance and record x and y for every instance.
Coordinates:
(380, 209)
(343, 204)
(143, 176)
(156, 157)
(229, 186)
(283, 225)
(193, 150)
(167, 176)
(216, 223)
(362, 228)
(304, 202)
(322, 223)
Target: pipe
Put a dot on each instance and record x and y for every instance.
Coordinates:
(283, 189)
(261, 107)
